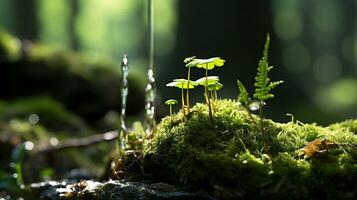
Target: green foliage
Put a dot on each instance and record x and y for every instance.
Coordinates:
(182, 84)
(262, 84)
(207, 81)
(207, 64)
(10, 47)
(13, 179)
(215, 87)
(229, 154)
(189, 59)
(171, 102)
(243, 94)
(52, 114)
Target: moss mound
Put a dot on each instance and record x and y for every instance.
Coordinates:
(86, 85)
(228, 154)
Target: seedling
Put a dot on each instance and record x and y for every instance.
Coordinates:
(263, 86)
(207, 82)
(213, 90)
(207, 64)
(245, 100)
(182, 84)
(170, 103)
(187, 60)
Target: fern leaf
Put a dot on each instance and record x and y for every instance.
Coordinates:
(262, 84)
(243, 94)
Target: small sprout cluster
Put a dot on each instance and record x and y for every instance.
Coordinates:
(170, 103)
(211, 84)
(263, 87)
(182, 84)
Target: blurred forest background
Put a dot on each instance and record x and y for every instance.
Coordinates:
(60, 59)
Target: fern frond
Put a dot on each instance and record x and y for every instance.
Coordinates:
(243, 94)
(262, 84)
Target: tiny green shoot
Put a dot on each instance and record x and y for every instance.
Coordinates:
(170, 103)
(263, 87)
(207, 64)
(187, 60)
(212, 89)
(182, 84)
(207, 82)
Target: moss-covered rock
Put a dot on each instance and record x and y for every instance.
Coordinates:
(229, 154)
(85, 84)
(46, 111)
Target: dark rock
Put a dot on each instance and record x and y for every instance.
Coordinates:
(113, 190)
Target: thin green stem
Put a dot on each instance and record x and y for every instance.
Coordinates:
(183, 104)
(266, 147)
(188, 90)
(170, 110)
(213, 102)
(206, 91)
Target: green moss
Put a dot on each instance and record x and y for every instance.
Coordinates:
(51, 114)
(10, 46)
(229, 153)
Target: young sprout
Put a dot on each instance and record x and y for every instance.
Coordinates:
(245, 100)
(207, 64)
(182, 84)
(263, 85)
(213, 89)
(170, 103)
(187, 60)
(207, 82)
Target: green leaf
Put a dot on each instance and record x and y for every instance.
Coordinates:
(211, 80)
(182, 83)
(171, 102)
(262, 84)
(243, 94)
(18, 153)
(208, 64)
(189, 59)
(215, 87)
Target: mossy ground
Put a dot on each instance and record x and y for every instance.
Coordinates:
(229, 153)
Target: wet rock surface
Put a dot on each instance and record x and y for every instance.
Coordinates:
(113, 190)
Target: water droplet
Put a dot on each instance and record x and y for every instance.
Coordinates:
(54, 141)
(33, 118)
(254, 106)
(29, 145)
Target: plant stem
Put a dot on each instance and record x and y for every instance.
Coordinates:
(250, 115)
(213, 101)
(188, 90)
(170, 110)
(183, 104)
(206, 91)
(266, 147)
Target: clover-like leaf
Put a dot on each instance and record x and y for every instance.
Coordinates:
(215, 87)
(210, 80)
(189, 59)
(208, 64)
(182, 84)
(171, 102)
